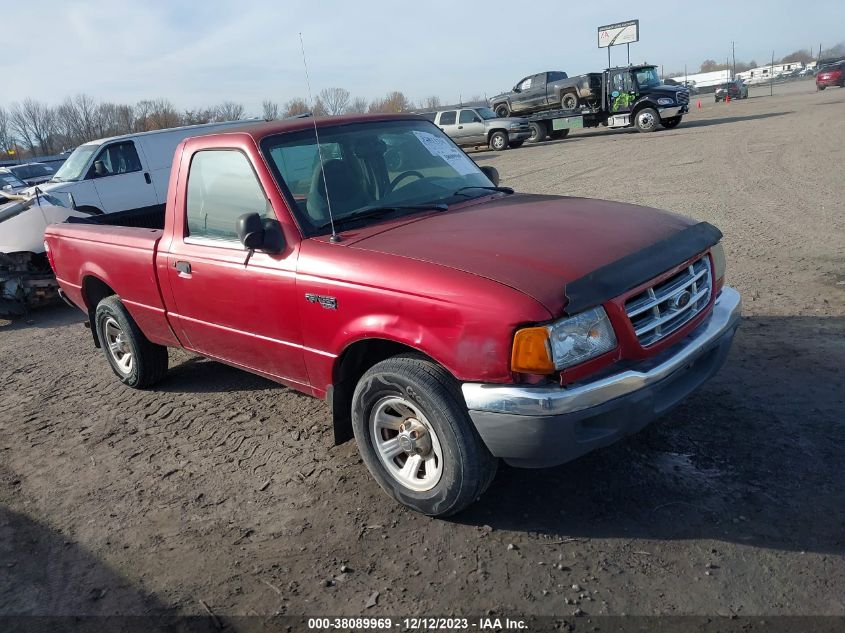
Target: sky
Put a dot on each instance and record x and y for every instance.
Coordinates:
(197, 53)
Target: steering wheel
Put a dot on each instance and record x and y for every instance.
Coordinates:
(402, 176)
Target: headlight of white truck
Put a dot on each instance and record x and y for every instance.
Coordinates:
(564, 343)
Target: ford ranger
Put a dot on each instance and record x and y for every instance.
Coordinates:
(448, 321)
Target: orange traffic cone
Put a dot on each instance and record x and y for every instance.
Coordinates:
(727, 98)
(699, 104)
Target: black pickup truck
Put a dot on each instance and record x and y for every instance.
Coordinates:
(550, 90)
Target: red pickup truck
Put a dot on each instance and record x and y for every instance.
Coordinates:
(449, 322)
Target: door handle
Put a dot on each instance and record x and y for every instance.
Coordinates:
(147, 178)
(184, 268)
(460, 127)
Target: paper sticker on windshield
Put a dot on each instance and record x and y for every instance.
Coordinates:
(436, 146)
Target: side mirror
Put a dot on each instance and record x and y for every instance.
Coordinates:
(476, 119)
(250, 229)
(274, 239)
(256, 233)
(516, 89)
(492, 174)
(7, 187)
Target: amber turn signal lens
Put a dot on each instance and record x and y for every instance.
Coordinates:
(531, 353)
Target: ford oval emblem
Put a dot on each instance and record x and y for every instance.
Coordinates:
(681, 300)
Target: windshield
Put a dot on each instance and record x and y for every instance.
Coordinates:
(74, 167)
(7, 178)
(486, 113)
(647, 77)
(35, 170)
(367, 165)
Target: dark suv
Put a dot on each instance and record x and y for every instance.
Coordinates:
(733, 89)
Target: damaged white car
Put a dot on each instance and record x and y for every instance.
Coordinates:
(26, 279)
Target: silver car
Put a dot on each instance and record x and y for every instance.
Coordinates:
(473, 127)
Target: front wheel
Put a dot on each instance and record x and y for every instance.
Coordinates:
(569, 101)
(138, 362)
(821, 87)
(498, 141)
(670, 122)
(516, 144)
(646, 120)
(415, 436)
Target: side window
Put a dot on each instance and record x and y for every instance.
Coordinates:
(538, 80)
(468, 116)
(118, 158)
(222, 187)
(447, 118)
(525, 84)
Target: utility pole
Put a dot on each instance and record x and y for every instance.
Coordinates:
(733, 54)
(772, 76)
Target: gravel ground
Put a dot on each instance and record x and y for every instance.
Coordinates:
(219, 490)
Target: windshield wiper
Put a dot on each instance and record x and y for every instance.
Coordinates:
(377, 212)
(460, 192)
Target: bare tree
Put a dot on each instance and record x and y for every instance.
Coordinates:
(270, 110)
(358, 106)
(6, 140)
(35, 124)
(431, 103)
(197, 117)
(156, 114)
(335, 100)
(228, 111)
(395, 101)
(296, 106)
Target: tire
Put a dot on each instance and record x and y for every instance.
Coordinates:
(569, 101)
(517, 144)
(670, 122)
(558, 134)
(409, 394)
(133, 358)
(498, 141)
(821, 87)
(646, 120)
(539, 131)
(503, 110)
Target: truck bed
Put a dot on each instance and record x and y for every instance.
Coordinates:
(144, 217)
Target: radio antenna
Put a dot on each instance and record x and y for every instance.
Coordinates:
(335, 237)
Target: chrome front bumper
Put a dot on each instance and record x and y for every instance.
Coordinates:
(672, 111)
(556, 400)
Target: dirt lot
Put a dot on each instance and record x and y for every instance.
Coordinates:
(222, 490)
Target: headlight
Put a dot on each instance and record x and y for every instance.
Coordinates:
(515, 125)
(568, 342)
(719, 262)
(665, 101)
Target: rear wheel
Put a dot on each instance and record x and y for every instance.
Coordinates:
(133, 358)
(539, 131)
(498, 141)
(646, 120)
(670, 122)
(569, 101)
(416, 438)
(558, 134)
(503, 110)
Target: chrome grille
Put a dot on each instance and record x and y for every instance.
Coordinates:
(663, 308)
(683, 97)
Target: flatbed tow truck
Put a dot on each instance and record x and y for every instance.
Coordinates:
(631, 96)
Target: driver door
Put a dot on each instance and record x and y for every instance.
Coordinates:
(622, 92)
(470, 129)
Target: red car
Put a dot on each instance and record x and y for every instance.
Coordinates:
(833, 75)
(450, 322)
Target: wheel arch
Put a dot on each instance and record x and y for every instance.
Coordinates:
(94, 290)
(355, 359)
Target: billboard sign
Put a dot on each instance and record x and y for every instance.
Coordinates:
(619, 33)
